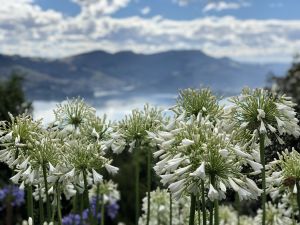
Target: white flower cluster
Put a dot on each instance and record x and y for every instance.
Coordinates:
(259, 111)
(67, 153)
(131, 132)
(107, 189)
(160, 209)
(275, 215)
(197, 149)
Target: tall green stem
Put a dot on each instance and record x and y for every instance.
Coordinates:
(137, 183)
(203, 202)
(97, 203)
(102, 209)
(171, 209)
(298, 194)
(41, 207)
(199, 209)
(216, 202)
(237, 204)
(30, 202)
(263, 174)
(192, 210)
(149, 166)
(59, 215)
(211, 213)
(48, 208)
(81, 207)
(86, 195)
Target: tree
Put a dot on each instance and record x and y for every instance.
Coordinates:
(12, 97)
(12, 100)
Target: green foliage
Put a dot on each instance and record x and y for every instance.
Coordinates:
(12, 100)
(12, 97)
(290, 83)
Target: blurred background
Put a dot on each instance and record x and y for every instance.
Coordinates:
(119, 54)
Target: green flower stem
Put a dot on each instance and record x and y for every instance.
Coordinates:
(216, 203)
(86, 196)
(8, 210)
(137, 183)
(237, 204)
(75, 202)
(48, 207)
(263, 173)
(149, 166)
(298, 194)
(53, 210)
(41, 208)
(211, 214)
(203, 202)
(97, 203)
(192, 210)
(81, 207)
(30, 202)
(59, 215)
(199, 209)
(171, 209)
(102, 210)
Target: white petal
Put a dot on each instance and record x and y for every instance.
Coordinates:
(111, 169)
(262, 128)
(212, 193)
(97, 177)
(200, 171)
(187, 142)
(222, 186)
(233, 184)
(255, 166)
(224, 152)
(15, 178)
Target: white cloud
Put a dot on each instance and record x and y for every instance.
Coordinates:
(26, 29)
(181, 2)
(222, 5)
(276, 5)
(91, 8)
(145, 10)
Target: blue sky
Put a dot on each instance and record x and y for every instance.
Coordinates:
(253, 9)
(246, 30)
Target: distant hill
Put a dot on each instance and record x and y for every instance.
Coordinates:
(101, 74)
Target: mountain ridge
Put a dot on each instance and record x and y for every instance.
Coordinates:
(129, 73)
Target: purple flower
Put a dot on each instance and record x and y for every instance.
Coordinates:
(74, 219)
(71, 219)
(12, 193)
(112, 210)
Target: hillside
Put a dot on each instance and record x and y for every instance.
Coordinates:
(101, 74)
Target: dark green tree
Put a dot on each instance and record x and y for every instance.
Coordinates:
(12, 100)
(12, 97)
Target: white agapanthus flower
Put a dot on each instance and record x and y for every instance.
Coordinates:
(160, 209)
(108, 190)
(131, 132)
(275, 215)
(259, 111)
(209, 152)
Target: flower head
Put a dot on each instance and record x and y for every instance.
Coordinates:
(195, 101)
(259, 111)
(131, 132)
